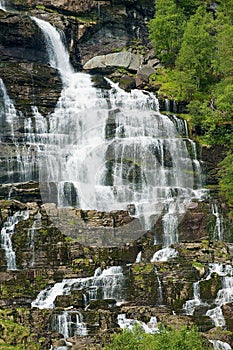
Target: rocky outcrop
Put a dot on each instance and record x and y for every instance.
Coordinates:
(120, 59)
(62, 5)
(55, 256)
(24, 65)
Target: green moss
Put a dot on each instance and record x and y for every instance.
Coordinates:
(40, 7)
(209, 288)
(13, 335)
(5, 203)
(197, 264)
(69, 239)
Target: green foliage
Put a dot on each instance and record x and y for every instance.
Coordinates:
(202, 49)
(226, 7)
(226, 181)
(195, 56)
(189, 6)
(166, 339)
(166, 30)
(223, 60)
(170, 88)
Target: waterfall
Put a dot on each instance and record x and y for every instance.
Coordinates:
(160, 291)
(2, 5)
(151, 327)
(106, 284)
(20, 165)
(69, 324)
(31, 237)
(224, 296)
(164, 254)
(219, 345)
(6, 235)
(8, 112)
(108, 149)
(190, 305)
(167, 104)
(58, 55)
(138, 257)
(218, 229)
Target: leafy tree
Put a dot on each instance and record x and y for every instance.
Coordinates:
(189, 6)
(195, 56)
(202, 46)
(166, 30)
(226, 7)
(224, 50)
(166, 339)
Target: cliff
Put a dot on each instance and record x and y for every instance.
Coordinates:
(50, 243)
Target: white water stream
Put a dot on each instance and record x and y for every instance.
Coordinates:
(108, 149)
(6, 237)
(2, 5)
(151, 327)
(219, 228)
(219, 345)
(31, 237)
(224, 296)
(69, 324)
(105, 284)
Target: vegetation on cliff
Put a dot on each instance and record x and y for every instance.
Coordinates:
(197, 54)
(166, 339)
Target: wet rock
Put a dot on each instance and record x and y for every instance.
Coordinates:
(228, 315)
(143, 75)
(75, 300)
(209, 288)
(101, 304)
(127, 83)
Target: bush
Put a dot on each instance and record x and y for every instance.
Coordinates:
(166, 339)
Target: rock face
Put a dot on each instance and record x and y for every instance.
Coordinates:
(24, 65)
(52, 256)
(67, 5)
(52, 244)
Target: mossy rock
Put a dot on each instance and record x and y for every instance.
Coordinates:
(101, 304)
(75, 299)
(143, 284)
(127, 83)
(14, 335)
(209, 288)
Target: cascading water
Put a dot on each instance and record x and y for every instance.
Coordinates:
(69, 324)
(160, 290)
(20, 165)
(106, 284)
(219, 345)
(218, 229)
(6, 235)
(190, 305)
(151, 327)
(138, 257)
(31, 237)
(2, 5)
(108, 149)
(224, 296)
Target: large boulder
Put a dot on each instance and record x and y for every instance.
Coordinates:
(123, 59)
